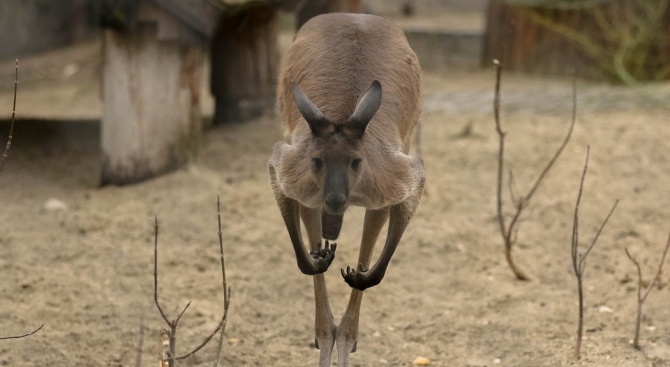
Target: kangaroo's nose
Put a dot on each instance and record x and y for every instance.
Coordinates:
(335, 201)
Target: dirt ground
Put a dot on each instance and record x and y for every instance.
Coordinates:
(84, 265)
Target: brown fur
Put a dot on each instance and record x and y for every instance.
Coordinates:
(333, 59)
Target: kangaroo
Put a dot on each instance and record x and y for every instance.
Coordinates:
(346, 143)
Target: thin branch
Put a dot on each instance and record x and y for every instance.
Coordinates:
(575, 259)
(172, 333)
(156, 272)
(508, 233)
(224, 284)
(544, 173)
(140, 343)
(223, 262)
(512, 190)
(182, 312)
(638, 317)
(575, 220)
(22, 336)
(226, 299)
(639, 274)
(11, 126)
(5, 154)
(659, 271)
(595, 238)
(207, 339)
(501, 147)
(642, 298)
(509, 230)
(579, 260)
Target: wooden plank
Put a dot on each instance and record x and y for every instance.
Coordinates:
(151, 117)
(201, 15)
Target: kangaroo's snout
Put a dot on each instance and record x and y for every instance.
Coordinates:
(336, 202)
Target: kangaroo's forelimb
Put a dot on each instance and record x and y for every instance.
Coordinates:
(319, 259)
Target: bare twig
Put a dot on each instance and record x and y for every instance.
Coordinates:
(579, 260)
(207, 339)
(640, 297)
(172, 333)
(221, 328)
(140, 343)
(224, 284)
(22, 336)
(509, 230)
(11, 125)
(226, 302)
(2, 164)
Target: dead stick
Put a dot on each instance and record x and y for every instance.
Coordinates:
(172, 334)
(207, 339)
(226, 295)
(156, 272)
(508, 231)
(505, 231)
(140, 344)
(224, 284)
(579, 260)
(642, 298)
(22, 336)
(11, 125)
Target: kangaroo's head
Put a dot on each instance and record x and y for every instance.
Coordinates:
(334, 149)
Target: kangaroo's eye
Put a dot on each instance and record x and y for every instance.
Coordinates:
(355, 164)
(317, 164)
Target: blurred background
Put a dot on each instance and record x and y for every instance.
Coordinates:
(215, 61)
(115, 92)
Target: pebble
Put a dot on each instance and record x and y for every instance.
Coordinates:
(605, 309)
(421, 361)
(53, 205)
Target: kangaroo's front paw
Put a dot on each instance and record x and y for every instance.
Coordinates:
(357, 278)
(323, 256)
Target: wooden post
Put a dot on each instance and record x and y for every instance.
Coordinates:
(244, 59)
(313, 8)
(151, 117)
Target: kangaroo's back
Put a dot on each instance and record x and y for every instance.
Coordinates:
(335, 57)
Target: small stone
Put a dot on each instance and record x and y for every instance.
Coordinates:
(421, 361)
(70, 70)
(497, 361)
(53, 205)
(605, 309)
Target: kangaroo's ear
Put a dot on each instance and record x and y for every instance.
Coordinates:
(366, 107)
(315, 119)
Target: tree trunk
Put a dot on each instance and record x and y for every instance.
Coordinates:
(616, 40)
(151, 117)
(523, 44)
(244, 58)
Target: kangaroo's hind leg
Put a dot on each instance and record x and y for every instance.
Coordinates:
(347, 331)
(324, 326)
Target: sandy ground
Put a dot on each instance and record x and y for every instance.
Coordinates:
(85, 268)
